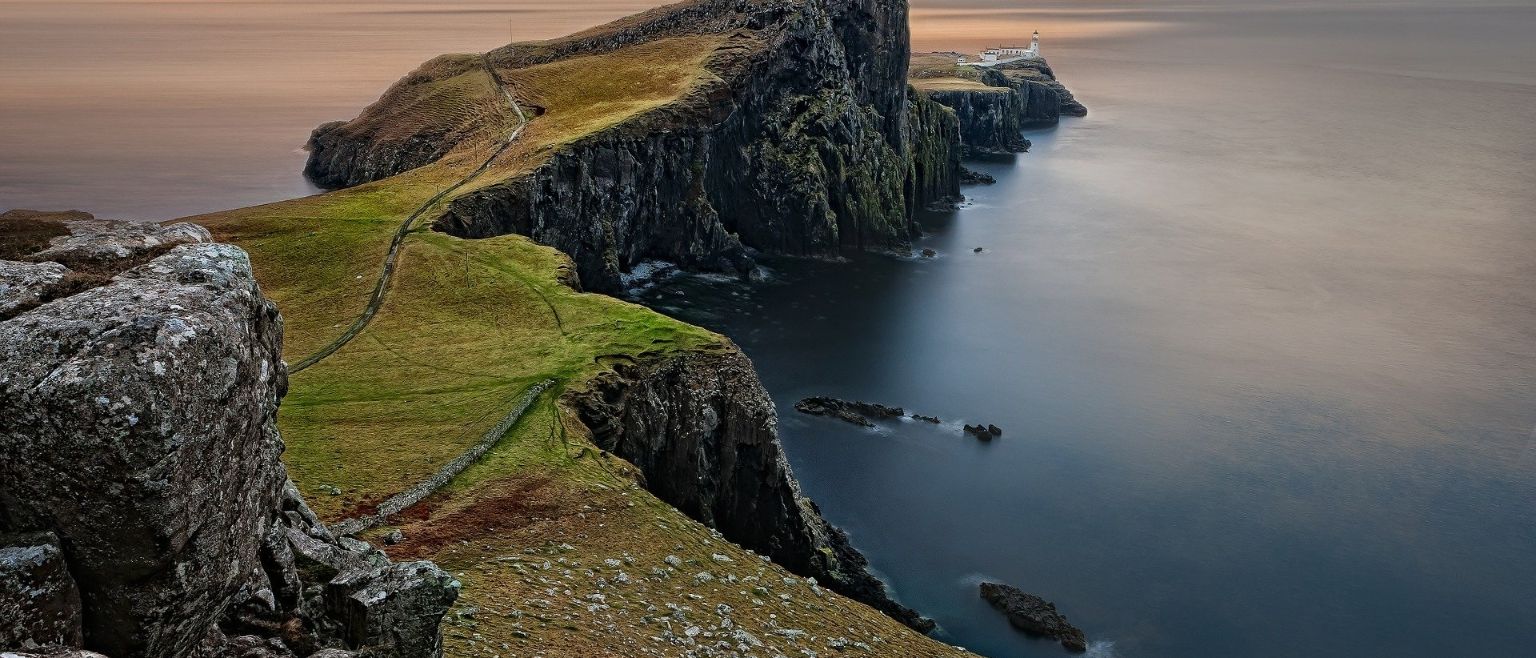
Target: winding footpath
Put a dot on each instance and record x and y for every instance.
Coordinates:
(405, 499)
(381, 287)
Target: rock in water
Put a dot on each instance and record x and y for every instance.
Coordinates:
(140, 431)
(854, 412)
(1034, 615)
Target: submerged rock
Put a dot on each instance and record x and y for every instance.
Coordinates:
(1034, 615)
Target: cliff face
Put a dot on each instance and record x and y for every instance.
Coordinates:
(1046, 98)
(934, 133)
(704, 433)
(991, 120)
(140, 458)
(995, 104)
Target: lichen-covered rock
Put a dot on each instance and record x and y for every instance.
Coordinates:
(39, 605)
(156, 392)
(24, 285)
(934, 143)
(704, 433)
(93, 241)
(140, 429)
(394, 610)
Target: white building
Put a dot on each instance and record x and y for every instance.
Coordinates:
(1002, 54)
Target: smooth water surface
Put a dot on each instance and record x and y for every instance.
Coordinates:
(1260, 332)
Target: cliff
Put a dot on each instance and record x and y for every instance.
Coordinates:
(702, 430)
(995, 105)
(145, 510)
(789, 135)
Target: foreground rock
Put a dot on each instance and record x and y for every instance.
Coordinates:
(141, 434)
(1034, 615)
(704, 433)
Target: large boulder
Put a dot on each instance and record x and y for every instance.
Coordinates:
(140, 431)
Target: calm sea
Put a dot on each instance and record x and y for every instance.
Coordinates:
(1260, 331)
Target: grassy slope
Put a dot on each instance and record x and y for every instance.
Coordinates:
(467, 326)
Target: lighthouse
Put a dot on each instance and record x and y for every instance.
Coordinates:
(1034, 45)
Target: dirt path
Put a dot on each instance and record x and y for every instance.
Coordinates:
(381, 288)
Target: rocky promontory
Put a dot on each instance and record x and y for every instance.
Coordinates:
(794, 134)
(145, 510)
(995, 103)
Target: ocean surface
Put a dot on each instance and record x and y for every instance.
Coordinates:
(1260, 331)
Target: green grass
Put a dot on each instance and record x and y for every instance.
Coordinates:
(956, 84)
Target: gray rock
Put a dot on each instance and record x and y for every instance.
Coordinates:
(157, 392)
(393, 610)
(102, 241)
(141, 431)
(39, 605)
(51, 652)
(24, 285)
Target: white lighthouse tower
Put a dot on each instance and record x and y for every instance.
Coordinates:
(1034, 45)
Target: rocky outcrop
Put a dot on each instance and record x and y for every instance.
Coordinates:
(847, 411)
(991, 119)
(393, 136)
(1034, 615)
(140, 432)
(1046, 99)
(25, 285)
(1000, 102)
(704, 434)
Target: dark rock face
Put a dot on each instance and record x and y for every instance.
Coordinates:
(934, 136)
(704, 433)
(140, 431)
(973, 177)
(1046, 99)
(991, 121)
(37, 591)
(1034, 615)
